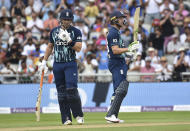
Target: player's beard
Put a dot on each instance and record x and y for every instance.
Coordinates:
(65, 26)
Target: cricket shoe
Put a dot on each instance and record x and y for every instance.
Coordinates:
(68, 122)
(80, 120)
(120, 121)
(112, 119)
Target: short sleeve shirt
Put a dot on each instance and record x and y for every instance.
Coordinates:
(63, 52)
(114, 38)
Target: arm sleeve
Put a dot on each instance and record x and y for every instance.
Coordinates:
(113, 39)
(77, 38)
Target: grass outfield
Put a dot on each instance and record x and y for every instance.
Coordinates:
(142, 121)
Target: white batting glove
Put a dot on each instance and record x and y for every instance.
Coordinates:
(42, 66)
(68, 38)
(64, 35)
(134, 46)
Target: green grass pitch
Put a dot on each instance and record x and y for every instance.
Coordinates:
(142, 121)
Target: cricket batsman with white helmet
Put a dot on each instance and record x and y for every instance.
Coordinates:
(117, 64)
(65, 40)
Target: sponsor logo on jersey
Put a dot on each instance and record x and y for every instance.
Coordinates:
(114, 40)
(60, 42)
(79, 38)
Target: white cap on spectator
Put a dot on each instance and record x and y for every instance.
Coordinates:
(181, 49)
(91, 0)
(148, 58)
(7, 23)
(139, 53)
(150, 49)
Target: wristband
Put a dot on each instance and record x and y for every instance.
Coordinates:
(72, 43)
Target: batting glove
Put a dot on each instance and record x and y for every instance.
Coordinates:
(64, 36)
(43, 66)
(133, 46)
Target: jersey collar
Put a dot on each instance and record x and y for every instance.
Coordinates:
(115, 29)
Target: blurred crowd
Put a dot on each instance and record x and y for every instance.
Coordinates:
(164, 35)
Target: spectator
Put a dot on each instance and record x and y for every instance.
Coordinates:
(37, 6)
(179, 16)
(76, 14)
(35, 25)
(61, 6)
(6, 32)
(2, 52)
(6, 3)
(166, 5)
(164, 68)
(1, 65)
(97, 26)
(108, 5)
(4, 46)
(154, 58)
(174, 45)
(48, 6)
(18, 9)
(181, 64)
(29, 47)
(25, 70)
(105, 17)
(152, 10)
(28, 10)
(147, 69)
(7, 69)
(137, 64)
(91, 11)
(14, 54)
(183, 36)
(102, 36)
(4, 12)
(167, 24)
(51, 22)
(102, 59)
(83, 28)
(187, 42)
(19, 27)
(156, 40)
(90, 66)
(126, 37)
(43, 45)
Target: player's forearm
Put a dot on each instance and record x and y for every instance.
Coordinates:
(118, 51)
(48, 51)
(77, 47)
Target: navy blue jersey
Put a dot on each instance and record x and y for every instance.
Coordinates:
(63, 52)
(114, 38)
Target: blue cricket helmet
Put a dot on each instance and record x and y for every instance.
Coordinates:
(116, 14)
(66, 14)
(114, 17)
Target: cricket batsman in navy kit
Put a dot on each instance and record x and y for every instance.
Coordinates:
(65, 40)
(117, 64)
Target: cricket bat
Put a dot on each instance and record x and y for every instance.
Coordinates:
(136, 26)
(39, 98)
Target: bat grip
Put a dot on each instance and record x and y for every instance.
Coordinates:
(42, 77)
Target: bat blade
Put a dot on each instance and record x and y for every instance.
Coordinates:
(39, 98)
(136, 23)
(135, 28)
